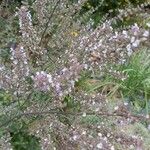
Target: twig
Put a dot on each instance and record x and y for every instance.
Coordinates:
(53, 111)
(46, 26)
(140, 117)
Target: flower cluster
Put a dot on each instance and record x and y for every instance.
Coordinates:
(42, 81)
(104, 45)
(20, 67)
(40, 8)
(14, 79)
(25, 22)
(62, 82)
(3, 77)
(30, 38)
(65, 79)
(19, 60)
(77, 48)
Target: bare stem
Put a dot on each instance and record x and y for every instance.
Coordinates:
(49, 19)
(53, 111)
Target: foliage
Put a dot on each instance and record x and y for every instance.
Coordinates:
(136, 85)
(108, 9)
(21, 139)
(67, 85)
(138, 75)
(132, 82)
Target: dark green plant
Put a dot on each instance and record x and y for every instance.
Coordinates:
(110, 9)
(138, 75)
(5, 97)
(135, 85)
(21, 139)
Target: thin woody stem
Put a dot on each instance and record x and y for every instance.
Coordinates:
(49, 19)
(53, 111)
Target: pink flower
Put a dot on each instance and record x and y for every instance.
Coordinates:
(42, 81)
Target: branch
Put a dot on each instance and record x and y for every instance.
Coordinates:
(139, 117)
(57, 112)
(46, 26)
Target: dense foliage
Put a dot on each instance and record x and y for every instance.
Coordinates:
(74, 74)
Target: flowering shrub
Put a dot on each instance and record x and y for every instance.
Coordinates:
(42, 81)
(53, 52)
